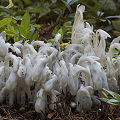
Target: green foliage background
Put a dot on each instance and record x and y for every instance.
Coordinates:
(25, 18)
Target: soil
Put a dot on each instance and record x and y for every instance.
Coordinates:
(61, 112)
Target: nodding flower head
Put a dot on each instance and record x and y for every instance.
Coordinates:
(102, 34)
(3, 46)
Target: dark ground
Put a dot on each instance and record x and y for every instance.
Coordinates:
(61, 112)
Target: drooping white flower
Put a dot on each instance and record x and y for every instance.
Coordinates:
(46, 74)
(22, 70)
(13, 59)
(78, 24)
(29, 49)
(77, 47)
(3, 46)
(74, 74)
(111, 49)
(38, 68)
(50, 84)
(12, 81)
(74, 59)
(41, 101)
(2, 83)
(63, 75)
(37, 43)
(83, 100)
(18, 44)
(57, 41)
(110, 71)
(10, 85)
(98, 76)
(100, 51)
(115, 40)
(28, 65)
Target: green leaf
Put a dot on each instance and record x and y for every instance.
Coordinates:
(2, 6)
(5, 21)
(116, 53)
(50, 41)
(104, 94)
(22, 109)
(108, 6)
(10, 30)
(91, 21)
(25, 25)
(113, 94)
(43, 9)
(16, 38)
(116, 24)
(28, 2)
(104, 99)
(110, 101)
(61, 5)
(71, 2)
(54, 1)
(34, 32)
(35, 35)
(18, 17)
(67, 5)
(67, 26)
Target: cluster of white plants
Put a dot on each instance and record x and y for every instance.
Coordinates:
(28, 75)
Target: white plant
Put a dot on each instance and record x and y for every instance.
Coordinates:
(3, 46)
(28, 75)
(83, 99)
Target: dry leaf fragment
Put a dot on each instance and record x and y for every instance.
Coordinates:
(49, 116)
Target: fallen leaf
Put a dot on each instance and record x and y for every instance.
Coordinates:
(112, 107)
(49, 116)
(117, 119)
(104, 94)
(116, 33)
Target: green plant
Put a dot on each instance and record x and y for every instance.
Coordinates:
(24, 18)
(114, 98)
(58, 14)
(15, 30)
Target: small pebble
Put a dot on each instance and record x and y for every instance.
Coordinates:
(73, 104)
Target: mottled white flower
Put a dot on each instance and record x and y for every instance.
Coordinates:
(83, 100)
(3, 46)
(50, 84)
(41, 101)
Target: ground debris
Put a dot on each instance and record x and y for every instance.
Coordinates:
(61, 112)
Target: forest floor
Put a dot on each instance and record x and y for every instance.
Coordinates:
(61, 112)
